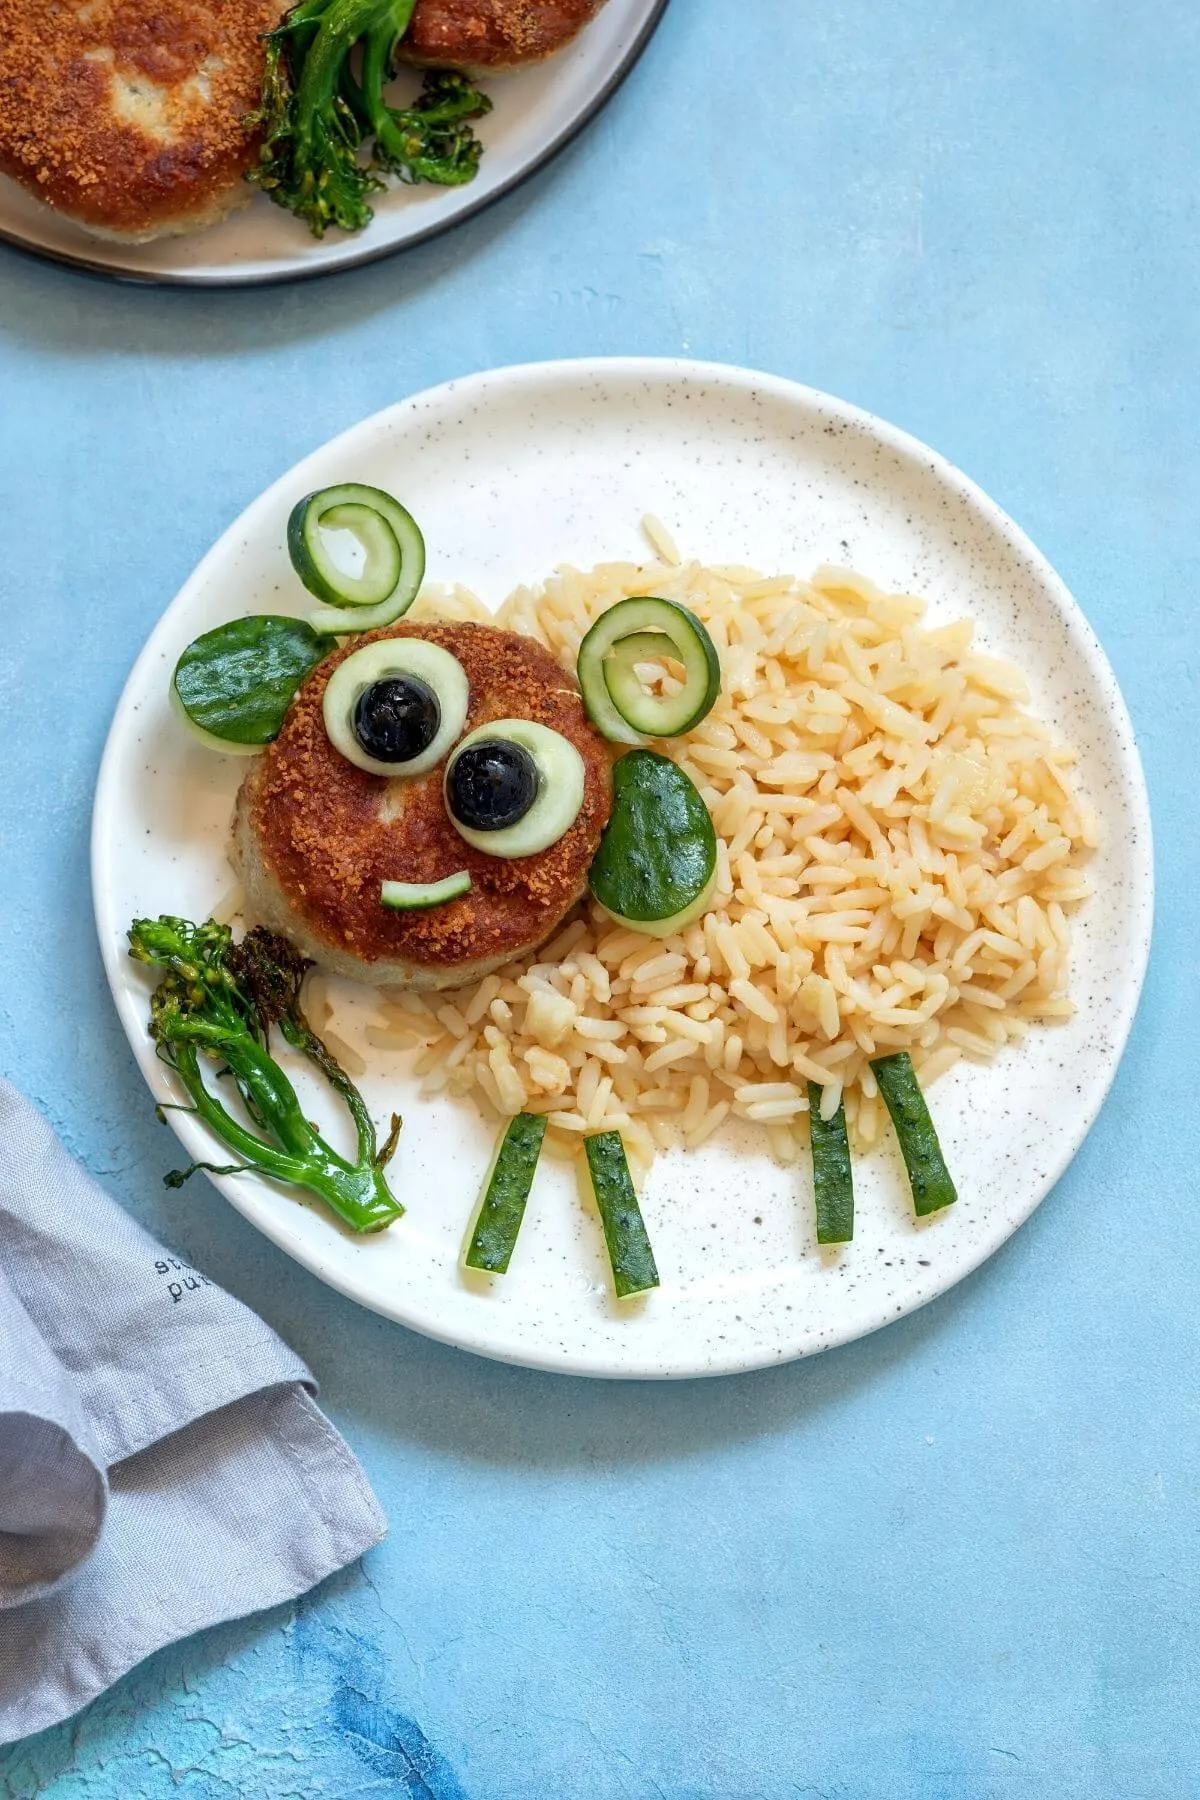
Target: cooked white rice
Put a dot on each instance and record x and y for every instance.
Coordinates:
(899, 845)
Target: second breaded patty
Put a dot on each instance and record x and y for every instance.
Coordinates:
(488, 35)
(315, 836)
(129, 115)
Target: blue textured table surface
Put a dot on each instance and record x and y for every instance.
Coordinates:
(957, 1560)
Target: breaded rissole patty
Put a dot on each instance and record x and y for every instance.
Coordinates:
(129, 114)
(315, 836)
(486, 35)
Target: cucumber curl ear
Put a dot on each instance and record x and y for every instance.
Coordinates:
(233, 685)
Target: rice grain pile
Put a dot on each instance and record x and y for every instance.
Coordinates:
(899, 849)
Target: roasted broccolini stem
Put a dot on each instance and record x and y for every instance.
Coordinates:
(317, 114)
(309, 158)
(220, 999)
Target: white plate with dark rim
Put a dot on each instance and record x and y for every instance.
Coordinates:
(537, 112)
(511, 473)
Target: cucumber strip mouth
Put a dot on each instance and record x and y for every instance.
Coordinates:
(415, 896)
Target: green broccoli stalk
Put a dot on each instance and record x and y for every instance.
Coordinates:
(431, 140)
(317, 115)
(220, 999)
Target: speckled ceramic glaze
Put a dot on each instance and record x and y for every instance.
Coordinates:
(511, 473)
(536, 111)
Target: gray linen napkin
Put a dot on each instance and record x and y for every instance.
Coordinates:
(163, 1465)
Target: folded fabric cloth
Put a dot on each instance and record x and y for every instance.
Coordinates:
(163, 1465)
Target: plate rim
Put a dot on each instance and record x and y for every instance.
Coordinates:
(903, 443)
(92, 266)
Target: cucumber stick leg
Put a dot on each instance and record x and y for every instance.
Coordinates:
(928, 1176)
(629, 1249)
(833, 1180)
(495, 1236)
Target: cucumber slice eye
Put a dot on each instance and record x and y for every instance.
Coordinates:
(527, 778)
(656, 867)
(395, 707)
(640, 631)
(389, 556)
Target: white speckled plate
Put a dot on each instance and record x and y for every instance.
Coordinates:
(511, 473)
(537, 111)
